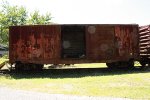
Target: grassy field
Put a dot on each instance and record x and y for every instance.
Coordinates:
(134, 84)
(3, 60)
(90, 82)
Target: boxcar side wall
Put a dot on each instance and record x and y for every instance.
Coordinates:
(128, 41)
(56, 44)
(34, 44)
(108, 43)
(100, 42)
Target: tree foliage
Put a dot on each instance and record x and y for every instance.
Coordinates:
(18, 15)
(36, 18)
(10, 15)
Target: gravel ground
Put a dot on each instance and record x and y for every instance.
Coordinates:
(12, 94)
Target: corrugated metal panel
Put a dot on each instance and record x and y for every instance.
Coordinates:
(144, 41)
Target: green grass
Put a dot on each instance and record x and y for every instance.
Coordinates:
(92, 65)
(3, 60)
(93, 82)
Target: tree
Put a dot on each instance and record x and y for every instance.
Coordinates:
(10, 15)
(18, 15)
(36, 18)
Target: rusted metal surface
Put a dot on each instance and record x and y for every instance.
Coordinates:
(144, 41)
(49, 44)
(34, 43)
(52, 42)
(113, 42)
(100, 42)
(128, 40)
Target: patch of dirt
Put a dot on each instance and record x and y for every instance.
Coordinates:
(12, 94)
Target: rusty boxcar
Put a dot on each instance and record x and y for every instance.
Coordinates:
(113, 44)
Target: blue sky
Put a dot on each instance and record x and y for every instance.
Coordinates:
(91, 11)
